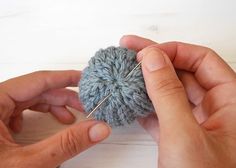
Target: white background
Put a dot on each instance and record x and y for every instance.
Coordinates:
(64, 34)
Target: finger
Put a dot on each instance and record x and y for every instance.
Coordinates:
(200, 114)
(66, 144)
(135, 42)
(16, 123)
(61, 113)
(209, 69)
(61, 97)
(195, 95)
(189, 57)
(55, 97)
(193, 89)
(220, 97)
(4, 133)
(151, 125)
(166, 92)
(28, 86)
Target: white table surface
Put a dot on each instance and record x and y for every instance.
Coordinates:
(64, 34)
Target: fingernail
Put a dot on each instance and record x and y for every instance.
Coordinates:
(139, 57)
(153, 59)
(99, 132)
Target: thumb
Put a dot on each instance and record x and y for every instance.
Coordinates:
(166, 91)
(66, 144)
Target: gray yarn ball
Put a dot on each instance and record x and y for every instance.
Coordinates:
(106, 74)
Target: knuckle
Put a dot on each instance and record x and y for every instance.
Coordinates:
(7, 105)
(153, 49)
(70, 143)
(41, 72)
(41, 77)
(168, 87)
(210, 53)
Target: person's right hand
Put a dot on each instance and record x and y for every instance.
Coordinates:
(197, 112)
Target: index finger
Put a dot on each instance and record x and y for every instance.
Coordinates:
(135, 43)
(28, 86)
(208, 67)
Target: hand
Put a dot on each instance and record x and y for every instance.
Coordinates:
(44, 91)
(196, 111)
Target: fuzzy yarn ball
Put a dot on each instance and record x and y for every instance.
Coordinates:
(106, 74)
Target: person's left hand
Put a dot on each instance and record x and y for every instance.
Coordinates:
(44, 91)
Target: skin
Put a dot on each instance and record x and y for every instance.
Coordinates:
(195, 107)
(44, 91)
(192, 89)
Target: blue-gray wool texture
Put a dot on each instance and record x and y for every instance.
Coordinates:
(106, 74)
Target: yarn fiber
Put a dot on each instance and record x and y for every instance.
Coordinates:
(106, 74)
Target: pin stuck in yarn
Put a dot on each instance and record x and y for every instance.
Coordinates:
(105, 74)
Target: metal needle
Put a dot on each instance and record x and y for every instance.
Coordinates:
(133, 69)
(104, 99)
(99, 104)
